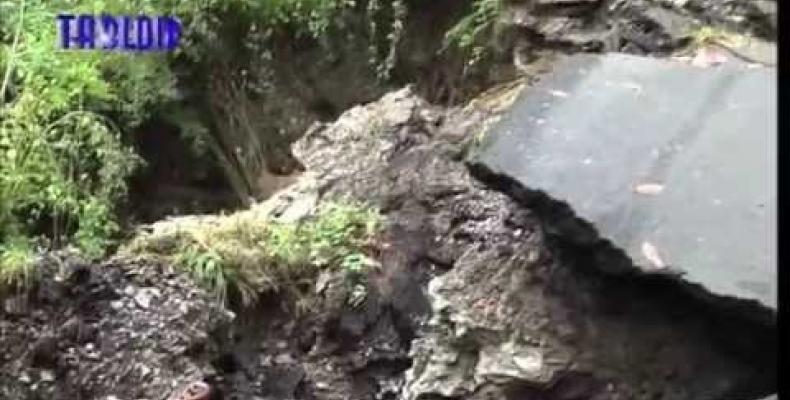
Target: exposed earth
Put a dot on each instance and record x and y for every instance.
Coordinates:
(476, 294)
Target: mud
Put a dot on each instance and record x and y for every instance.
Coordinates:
(123, 328)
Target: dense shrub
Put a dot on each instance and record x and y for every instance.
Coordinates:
(64, 159)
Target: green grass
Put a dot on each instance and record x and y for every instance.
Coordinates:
(251, 254)
(16, 264)
(707, 35)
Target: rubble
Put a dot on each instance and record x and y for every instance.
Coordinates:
(121, 329)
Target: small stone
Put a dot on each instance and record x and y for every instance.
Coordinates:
(91, 353)
(15, 305)
(39, 315)
(284, 358)
(322, 385)
(322, 282)
(533, 256)
(651, 253)
(116, 304)
(145, 296)
(129, 290)
(25, 378)
(47, 376)
(266, 361)
(144, 370)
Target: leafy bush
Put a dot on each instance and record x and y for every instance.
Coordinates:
(63, 160)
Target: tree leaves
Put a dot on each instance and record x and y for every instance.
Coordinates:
(61, 158)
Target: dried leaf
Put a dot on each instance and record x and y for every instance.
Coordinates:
(651, 254)
(650, 189)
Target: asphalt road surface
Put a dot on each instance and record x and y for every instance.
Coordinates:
(673, 163)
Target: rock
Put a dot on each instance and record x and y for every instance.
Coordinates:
(284, 358)
(15, 305)
(282, 381)
(266, 361)
(323, 281)
(511, 360)
(143, 370)
(145, 296)
(44, 351)
(322, 385)
(676, 26)
(47, 376)
(298, 210)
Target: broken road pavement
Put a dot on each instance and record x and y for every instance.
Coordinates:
(673, 164)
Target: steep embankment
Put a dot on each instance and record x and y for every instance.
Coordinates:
(465, 295)
(468, 299)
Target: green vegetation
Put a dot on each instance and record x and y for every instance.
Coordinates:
(706, 35)
(63, 161)
(233, 48)
(471, 33)
(66, 117)
(16, 264)
(249, 253)
(67, 121)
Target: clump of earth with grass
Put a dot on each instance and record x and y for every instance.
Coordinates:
(251, 252)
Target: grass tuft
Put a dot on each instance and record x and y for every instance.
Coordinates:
(707, 35)
(17, 270)
(249, 253)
